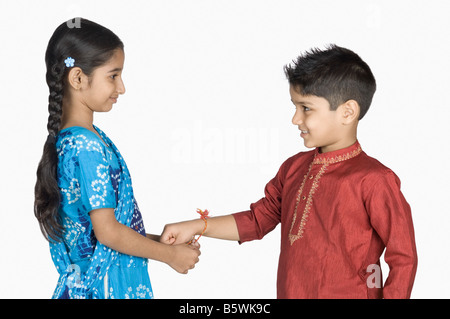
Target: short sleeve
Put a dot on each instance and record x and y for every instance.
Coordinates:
(84, 173)
(96, 187)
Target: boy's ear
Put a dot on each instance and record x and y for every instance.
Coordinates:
(76, 78)
(349, 111)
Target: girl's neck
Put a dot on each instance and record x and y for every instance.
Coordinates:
(76, 116)
(84, 119)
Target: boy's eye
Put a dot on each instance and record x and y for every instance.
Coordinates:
(305, 108)
(113, 76)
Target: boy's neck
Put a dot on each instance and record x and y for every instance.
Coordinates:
(338, 146)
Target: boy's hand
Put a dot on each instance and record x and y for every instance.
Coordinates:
(181, 233)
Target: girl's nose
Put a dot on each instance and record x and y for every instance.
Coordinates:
(121, 87)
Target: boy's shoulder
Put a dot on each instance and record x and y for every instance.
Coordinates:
(373, 172)
(299, 158)
(373, 166)
(295, 162)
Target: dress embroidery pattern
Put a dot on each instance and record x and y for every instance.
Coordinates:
(99, 186)
(325, 161)
(73, 192)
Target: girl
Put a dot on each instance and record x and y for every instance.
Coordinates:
(83, 196)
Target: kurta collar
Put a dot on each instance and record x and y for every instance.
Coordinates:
(338, 155)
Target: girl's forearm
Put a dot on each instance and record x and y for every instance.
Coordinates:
(123, 239)
(153, 237)
(127, 241)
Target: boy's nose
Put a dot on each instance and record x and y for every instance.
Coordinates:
(298, 118)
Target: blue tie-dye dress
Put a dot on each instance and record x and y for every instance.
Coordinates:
(92, 174)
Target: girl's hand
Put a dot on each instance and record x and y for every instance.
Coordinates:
(183, 257)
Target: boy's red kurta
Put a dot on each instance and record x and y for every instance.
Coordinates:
(338, 211)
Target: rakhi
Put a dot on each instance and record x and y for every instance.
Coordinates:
(204, 216)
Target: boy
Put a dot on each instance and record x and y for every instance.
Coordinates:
(338, 208)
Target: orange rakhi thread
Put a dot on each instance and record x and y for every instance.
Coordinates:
(204, 216)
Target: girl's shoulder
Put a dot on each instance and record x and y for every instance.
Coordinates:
(76, 139)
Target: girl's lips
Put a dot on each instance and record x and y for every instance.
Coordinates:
(114, 99)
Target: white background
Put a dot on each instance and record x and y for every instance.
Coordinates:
(206, 123)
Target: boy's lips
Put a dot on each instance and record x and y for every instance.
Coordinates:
(303, 131)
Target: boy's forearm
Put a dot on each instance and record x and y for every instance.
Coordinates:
(222, 227)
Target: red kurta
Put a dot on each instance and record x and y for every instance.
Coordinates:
(338, 212)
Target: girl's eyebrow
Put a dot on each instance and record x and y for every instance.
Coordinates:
(115, 70)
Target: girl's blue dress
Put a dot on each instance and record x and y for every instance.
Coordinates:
(92, 174)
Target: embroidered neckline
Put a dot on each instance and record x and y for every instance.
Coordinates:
(325, 159)
(338, 155)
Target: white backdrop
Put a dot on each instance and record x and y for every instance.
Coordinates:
(206, 123)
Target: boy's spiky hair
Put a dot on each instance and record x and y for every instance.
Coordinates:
(336, 74)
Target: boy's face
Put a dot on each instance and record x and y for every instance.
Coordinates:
(319, 126)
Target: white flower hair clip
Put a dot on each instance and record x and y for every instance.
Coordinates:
(70, 62)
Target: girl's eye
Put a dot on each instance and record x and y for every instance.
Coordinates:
(113, 76)
(305, 108)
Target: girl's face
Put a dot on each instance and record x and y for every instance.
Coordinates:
(319, 126)
(105, 84)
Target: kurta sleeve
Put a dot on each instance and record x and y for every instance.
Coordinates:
(264, 215)
(390, 216)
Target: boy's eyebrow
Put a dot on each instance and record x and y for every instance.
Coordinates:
(301, 102)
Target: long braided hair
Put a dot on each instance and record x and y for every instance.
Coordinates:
(90, 45)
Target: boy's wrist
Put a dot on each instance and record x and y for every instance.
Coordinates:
(199, 225)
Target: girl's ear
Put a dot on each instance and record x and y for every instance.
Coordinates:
(76, 78)
(349, 111)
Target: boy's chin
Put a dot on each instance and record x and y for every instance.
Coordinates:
(309, 144)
